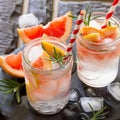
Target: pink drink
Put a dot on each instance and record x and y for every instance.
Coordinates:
(98, 61)
(47, 90)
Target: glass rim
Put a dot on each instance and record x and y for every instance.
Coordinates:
(37, 40)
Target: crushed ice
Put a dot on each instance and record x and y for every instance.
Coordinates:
(27, 20)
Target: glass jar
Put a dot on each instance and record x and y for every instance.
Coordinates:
(97, 63)
(47, 90)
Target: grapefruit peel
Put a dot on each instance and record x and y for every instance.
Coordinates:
(8, 69)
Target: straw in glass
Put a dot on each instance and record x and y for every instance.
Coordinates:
(75, 31)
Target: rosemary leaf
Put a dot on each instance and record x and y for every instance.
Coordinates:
(2, 90)
(72, 16)
(87, 8)
(89, 18)
(88, 15)
(99, 114)
(5, 98)
(109, 23)
(9, 82)
(57, 56)
(92, 109)
(93, 18)
(18, 95)
(8, 91)
(5, 86)
(43, 47)
(6, 82)
(55, 53)
(8, 86)
(85, 22)
(103, 114)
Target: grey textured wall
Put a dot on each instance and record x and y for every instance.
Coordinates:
(10, 10)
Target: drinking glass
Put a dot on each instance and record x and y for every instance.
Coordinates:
(47, 90)
(97, 63)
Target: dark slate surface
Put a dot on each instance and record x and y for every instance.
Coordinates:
(10, 10)
(42, 9)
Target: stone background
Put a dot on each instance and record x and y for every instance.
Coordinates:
(10, 10)
(45, 10)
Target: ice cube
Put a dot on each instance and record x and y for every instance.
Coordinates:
(34, 53)
(114, 89)
(95, 102)
(95, 24)
(27, 20)
(74, 95)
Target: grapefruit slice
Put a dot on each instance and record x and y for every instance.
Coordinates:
(59, 27)
(94, 37)
(109, 32)
(12, 64)
(42, 62)
(50, 48)
(88, 30)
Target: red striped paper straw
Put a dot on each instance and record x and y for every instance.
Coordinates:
(110, 13)
(75, 31)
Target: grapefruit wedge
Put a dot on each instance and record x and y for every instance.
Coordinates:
(42, 62)
(59, 27)
(49, 47)
(12, 64)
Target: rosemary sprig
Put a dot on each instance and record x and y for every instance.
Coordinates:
(100, 114)
(88, 15)
(8, 86)
(57, 57)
